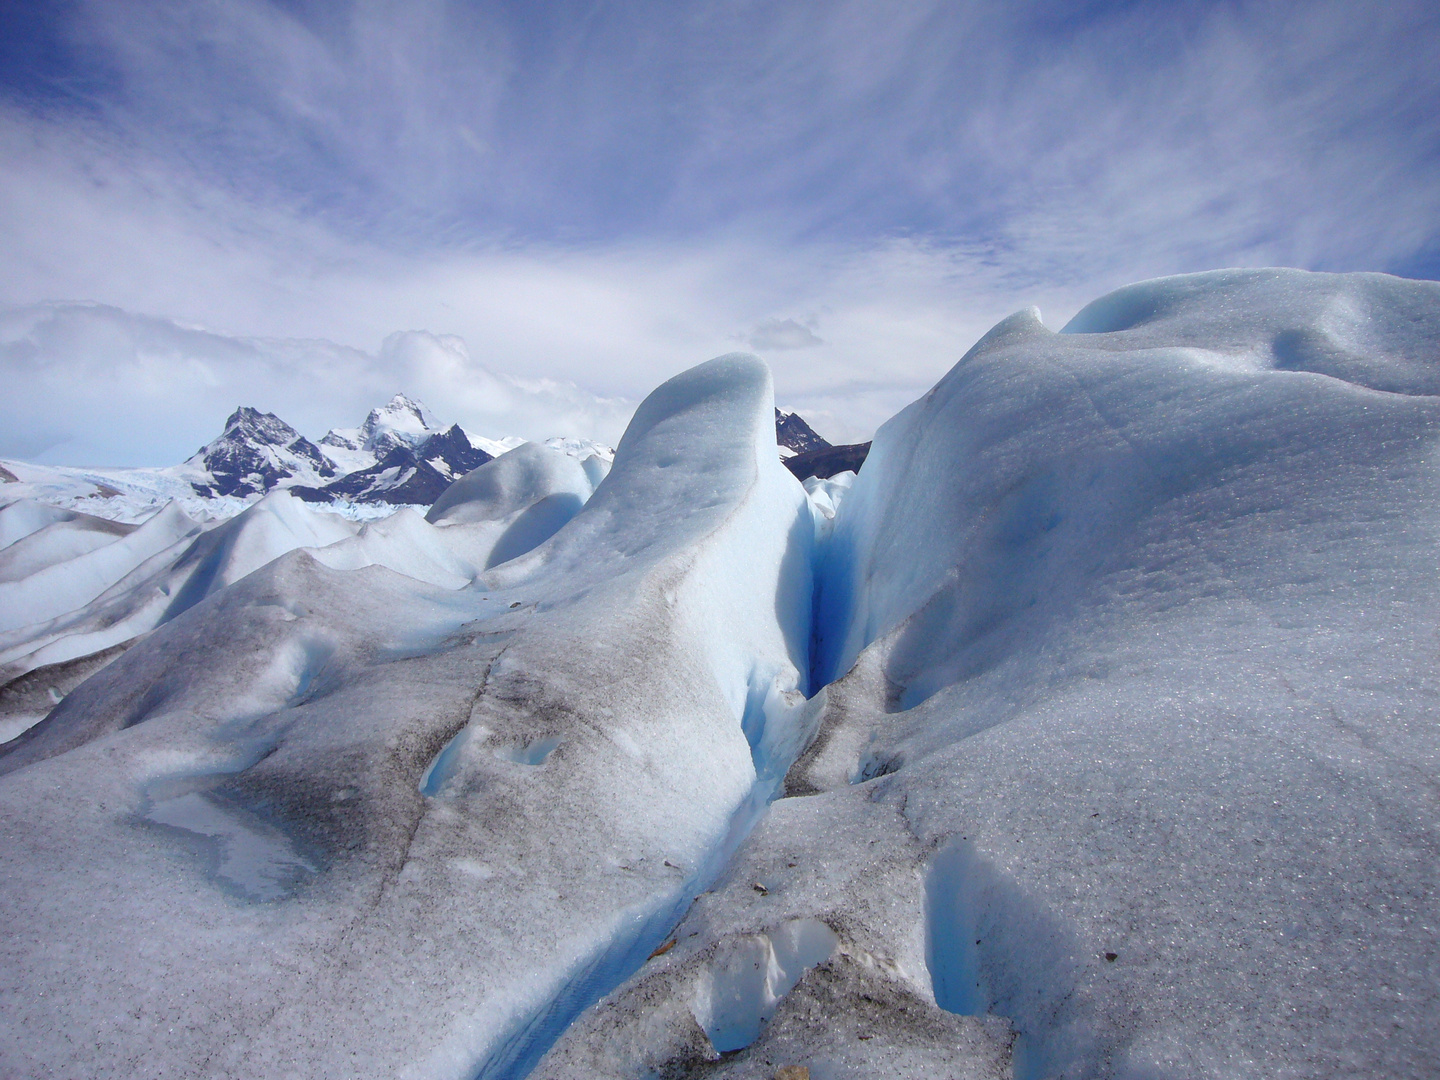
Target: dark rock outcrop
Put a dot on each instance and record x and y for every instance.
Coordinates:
(792, 432)
(828, 461)
(414, 475)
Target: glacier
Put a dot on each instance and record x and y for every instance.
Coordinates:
(1089, 731)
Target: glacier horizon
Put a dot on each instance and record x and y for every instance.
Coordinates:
(1090, 731)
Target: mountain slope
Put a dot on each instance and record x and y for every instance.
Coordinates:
(254, 454)
(792, 433)
(409, 473)
(401, 421)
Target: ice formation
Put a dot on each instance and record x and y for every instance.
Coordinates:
(1117, 760)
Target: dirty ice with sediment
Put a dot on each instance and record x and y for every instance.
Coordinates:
(1090, 731)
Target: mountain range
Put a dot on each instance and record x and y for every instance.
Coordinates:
(401, 455)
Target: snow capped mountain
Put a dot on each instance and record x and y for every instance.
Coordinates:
(403, 421)
(398, 456)
(413, 472)
(259, 453)
(1089, 730)
(401, 456)
(255, 453)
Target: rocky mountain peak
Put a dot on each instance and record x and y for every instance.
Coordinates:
(794, 434)
(251, 424)
(255, 452)
(403, 420)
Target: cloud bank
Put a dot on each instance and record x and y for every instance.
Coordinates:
(142, 390)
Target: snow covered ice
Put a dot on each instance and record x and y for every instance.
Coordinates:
(1118, 756)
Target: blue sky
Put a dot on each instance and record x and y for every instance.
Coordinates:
(606, 193)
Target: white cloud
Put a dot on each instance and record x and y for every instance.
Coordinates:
(93, 385)
(779, 334)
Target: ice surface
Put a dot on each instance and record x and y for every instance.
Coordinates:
(15, 724)
(181, 574)
(1142, 609)
(825, 495)
(24, 517)
(1135, 721)
(157, 587)
(512, 484)
(407, 544)
(748, 976)
(258, 861)
(603, 680)
(1119, 757)
(64, 586)
(61, 538)
(116, 494)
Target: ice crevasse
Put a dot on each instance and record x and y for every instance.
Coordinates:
(1118, 755)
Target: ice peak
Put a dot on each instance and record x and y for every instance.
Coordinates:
(402, 419)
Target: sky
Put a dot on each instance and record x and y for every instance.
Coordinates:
(529, 215)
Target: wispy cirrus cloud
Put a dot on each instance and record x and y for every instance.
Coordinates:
(605, 194)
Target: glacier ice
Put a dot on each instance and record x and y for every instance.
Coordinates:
(501, 510)
(63, 586)
(312, 700)
(1118, 756)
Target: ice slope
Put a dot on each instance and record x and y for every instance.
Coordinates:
(34, 536)
(124, 495)
(1145, 615)
(517, 501)
(27, 516)
(183, 573)
(249, 778)
(64, 586)
(1134, 738)
(160, 581)
(406, 543)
